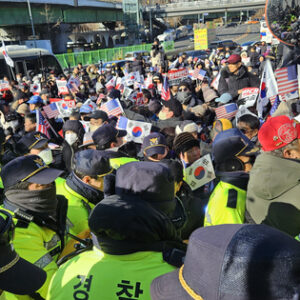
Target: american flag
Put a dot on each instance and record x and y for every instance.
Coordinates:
(42, 124)
(198, 74)
(112, 107)
(287, 79)
(165, 91)
(122, 123)
(275, 105)
(51, 110)
(227, 111)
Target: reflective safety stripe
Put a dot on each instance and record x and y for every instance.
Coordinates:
(52, 243)
(43, 261)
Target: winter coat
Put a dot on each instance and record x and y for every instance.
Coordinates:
(273, 193)
(231, 83)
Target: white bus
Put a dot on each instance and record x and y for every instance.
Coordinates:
(28, 61)
(266, 35)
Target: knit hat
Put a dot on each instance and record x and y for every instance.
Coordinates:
(183, 142)
(23, 109)
(199, 110)
(186, 126)
(209, 94)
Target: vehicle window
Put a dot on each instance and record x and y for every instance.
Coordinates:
(50, 63)
(33, 65)
(4, 69)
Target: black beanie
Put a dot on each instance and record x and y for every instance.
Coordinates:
(184, 141)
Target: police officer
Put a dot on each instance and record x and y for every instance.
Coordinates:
(134, 237)
(84, 187)
(17, 275)
(110, 139)
(38, 144)
(234, 155)
(38, 215)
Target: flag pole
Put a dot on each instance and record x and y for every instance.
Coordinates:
(13, 73)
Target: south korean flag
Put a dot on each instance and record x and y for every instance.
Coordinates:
(136, 130)
(200, 172)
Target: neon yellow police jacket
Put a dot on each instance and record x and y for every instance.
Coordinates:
(79, 207)
(40, 246)
(226, 205)
(96, 275)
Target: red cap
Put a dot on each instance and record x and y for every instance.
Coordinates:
(278, 132)
(234, 59)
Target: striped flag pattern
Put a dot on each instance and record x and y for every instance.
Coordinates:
(42, 124)
(227, 111)
(51, 110)
(165, 91)
(112, 108)
(287, 80)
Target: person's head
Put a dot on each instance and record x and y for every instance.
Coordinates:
(170, 109)
(261, 58)
(23, 109)
(184, 93)
(18, 276)
(176, 169)
(73, 132)
(155, 147)
(35, 102)
(75, 116)
(234, 261)
(28, 173)
(252, 49)
(153, 183)
(248, 125)
(30, 122)
(280, 136)
(45, 95)
(233, 151)
(219, 126)
(187, 126)
(106, 137)
(147, 96)
(157, 78)
(97, 119)
(234, 62)
(35, 143)
(85, 112)
(90, 166)
(187, 148)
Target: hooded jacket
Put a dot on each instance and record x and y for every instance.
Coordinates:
(230, 83)
(273, 193)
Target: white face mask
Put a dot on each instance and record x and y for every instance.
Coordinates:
(46, 156)
(215, 73)
(71, 138)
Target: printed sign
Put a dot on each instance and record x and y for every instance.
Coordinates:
(200, 39)
(176, 76)
(4, 85)
(62, 87)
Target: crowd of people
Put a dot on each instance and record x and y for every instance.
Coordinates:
(195, 197)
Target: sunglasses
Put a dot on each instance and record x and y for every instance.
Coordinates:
(7, 233)
(183, 90)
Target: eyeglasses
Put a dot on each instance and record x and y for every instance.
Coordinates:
(7, 233)
(183, 90)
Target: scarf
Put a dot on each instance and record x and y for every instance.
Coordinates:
(39, 201)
